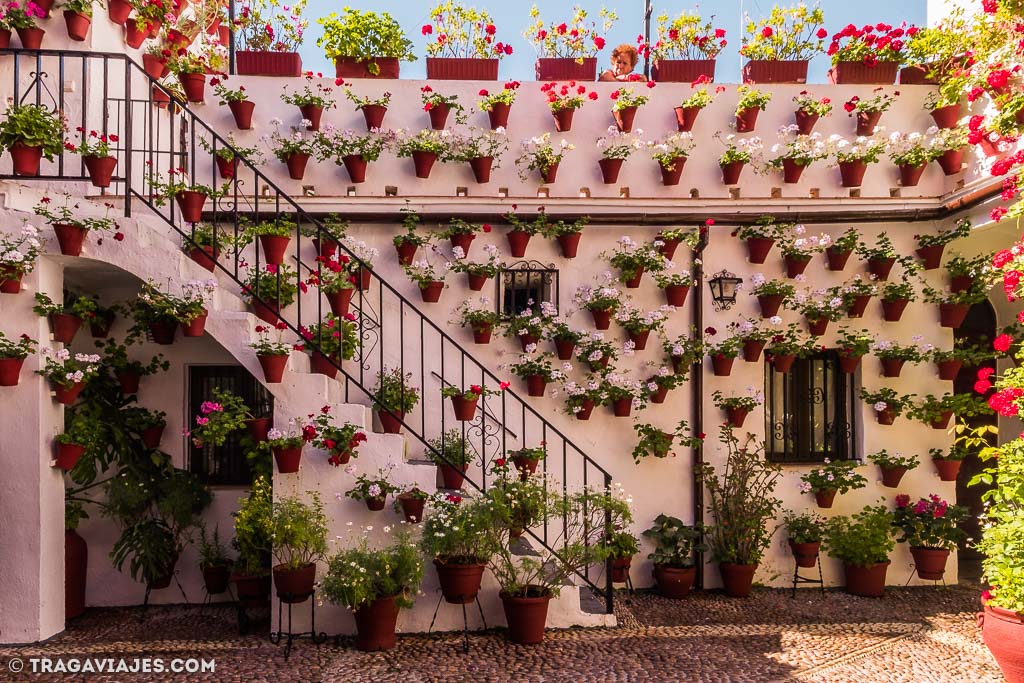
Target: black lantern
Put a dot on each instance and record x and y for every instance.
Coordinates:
(724, 286)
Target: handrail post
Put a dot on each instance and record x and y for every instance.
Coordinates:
(128, 137)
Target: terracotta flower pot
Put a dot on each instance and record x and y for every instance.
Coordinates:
(294, 585)
(216, 579)
(685, 118)
(775, 71)
(675, 295)
(77, 25)
(438, 116)
(951, 162)
(949, 369)
(195, 328)
(375, 625)
(564, 348)
(882, 72)
(752, 350)
(891, 476)
(885, 417)
(162, 331)
(191, 204)
(312, 113)
(10, 371)
(817, 327)
(634, 282)
(565, 69)
(497, 115)
(736, 416)
(390, 423)
(460, 583)
(26, 159)
(866, 122)
(101, 169)
(620, 568)
(423, 162)
(535, 385)
(792, 170)
(129, 382)
(525, 340)
(931, 257)
(517, 242)
(406, 252)
(942, 422)
(463, 241)
(682, 70)
(412, 508)
(795, 266)
(602, 319)
(355, 166)
(194, 86)
(569, 244)
(67, 395)
(267, 311)
(624, 119)
(274, 247)
(118, 11)
(746, 120)
(610, 169)
(881, 267)
(867, 582)
(639, 339)
(770, 304)
(252, 590)
(273, 367)
(674, 582)
(151, 436)
(453, 477)
(76, 564)
(10, 280)
(586, 408)
(858, 305)
(340, 301)
(242, 113)
(68, 455)
(892, 310)
(550, 173)
(891, 367)
(258, 427)
(953, 315)
(852, 173)
(287, 459)
(482, 334)
(910, 176)
(948, 469)
(70, 238)
(477, 282)
(563, 119)
(668, 247)
(431, 292)
(204, 256)
(848, 364)
(326, 248)
(660, 395)
(837, 259)
(373, 115)
(825, 497)
(930, 562)
(805, 121)
(323, 365)
(737, 579)
(960, 283)
(731, 172)
(621, 407)
(722, 365)
(1003, 633)
(226, 168)
(670, 176)
(464, 408)
(296, 164)
(782, 362)
(64, 327)
(481, 167)
(525, 617)
(31, 38)
(758, 248)
(135, 36)
(947, 117)
(806, 554)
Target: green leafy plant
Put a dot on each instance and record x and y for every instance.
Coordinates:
(364, 36)
(32, 125)
(863, 539)
(359, 575)
(16, 349)
(298, 531)
(394, 391)
(253, 529)
(674, 542)
(452, 449)
(803, 527)
(896, 460)
(576, 38)
(212, 551)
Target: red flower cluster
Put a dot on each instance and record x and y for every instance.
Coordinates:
(983, 384)
(1004, 401)
(870, 43)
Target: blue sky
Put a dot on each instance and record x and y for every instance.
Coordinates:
(512, 17)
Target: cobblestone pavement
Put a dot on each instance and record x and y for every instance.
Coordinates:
(914, 635)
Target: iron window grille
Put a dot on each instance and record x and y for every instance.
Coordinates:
(526, 284)
(811, 411)
(224, 465)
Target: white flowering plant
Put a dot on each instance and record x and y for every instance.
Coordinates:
(675, 278)
(360, 250)
(840, 476)
(531, 322)
(739, 150)
(18, 253)
(423, 273)
(683, 352)
(489, 268)
(358, 575)
(752, 399)
(618, 386)
(338, 144)
(578, 393)
(455, 532)
(633, 259)
(762, 286)
(747, 330)
(601, 297)
(796, 244)
(285, 145)
(615, 144)
(886, 398)
(670, 148)
(861, 148)
(889, 350)
(480, 142)
(532, 363)
(800, 149)
(820, 304)
(65, 369)
(438, 142)
(912, 149)
(635, 319)
(477, 314)
(540, 154)
(596, 352)
(297, 433)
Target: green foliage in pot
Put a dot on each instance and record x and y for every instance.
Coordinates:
(32, 125)
(16, 349)
(740, 500)
(254, 530)
(456, 530)
(364, 36)
(863, 539)
(394, 393)
(298, 531)
(212, 551)
(451, 448)
(115, 357)
(359, 575)
(803, 527)
(674, 542)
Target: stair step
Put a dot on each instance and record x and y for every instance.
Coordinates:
(591, 602)
(523, 548)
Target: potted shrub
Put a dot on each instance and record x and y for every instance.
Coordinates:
(455, 535)
(189, 196)
(738, 153)
(893, 466)
(741, 503)
(541, 155)
(453, 455)
(834, 477)
(674, 546)
(564, 100)
(622, 546)
(373, 491)
(887, 404)
(298, 532)
(804, 531)
(602, 301)
(269, 290)
(375, 584)
(410, 502)
(868, 55)
(862, 542)
(214, 562)
(18, 255)
(536, 369)
(393, 398)
(497, 105)
(465, 47)
(340, 443)
(311, 104)
(795, 153)
(852, 345)
(869, 111)
(779, 46)
(22, 17)
(373, 108)
(481, 149)
(425, 148)
(737, 408)
(95, 152)
(912, 153)
(31, 132)
(332, 340)
(12, 357)
(671, 153)
(615, 147)
(567, 50)
(70, 226)
(686, 48)
(931, 528)
(809, 110)
(68, 375)
(72, 443)
(853, 157)
(65, 319)
(251, 572)
(751, 102)
(364, 44)
(267, 37)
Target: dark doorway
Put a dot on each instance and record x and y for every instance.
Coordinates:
(979, 328)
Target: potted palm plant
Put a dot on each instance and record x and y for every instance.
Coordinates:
(862, 542)
(298, 533)
(674, 546)
(364, 44)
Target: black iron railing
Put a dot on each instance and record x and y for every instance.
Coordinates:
(110, 93)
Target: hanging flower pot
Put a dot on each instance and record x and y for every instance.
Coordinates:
(602, 319)
(191, 204)
(891, 476)
(70, 238)
(624, 119)
(942, 422)
(758, 248)
(825, 497)
(267, 311)
(782, 362)
(406, 252)
(273, 367)
(423, 162)
(892, 310)
(296, 163)
(866, 122)
(460, 583)
(736, 416)
(911, 175)
(891, 367)
(549, 173)
(430, 292)
(931, 256)
(960, 283)
(77, 24)
(949, 369)
(639, 339)
(731, 172)
(610, 170)
(867, 582)
(569, 244)
(659, 396)
(858, 305)
(585, 409)
(667, 247)
(162, 331)
(66, 395)
(26, 159)
(196, 327)
(64, 326)
(129, 381)
(951, 161)
(101, 169)
(886, 416)
(675, 295)
(722, 365)
(848, 364)
(564, 348)
(31, 38)
(258, 428)
(947, 117)
(806, 554)
(482, 334)
(525, 617)
(375, 625)
(497, 115)
(151, 436)
(477, 282)
(881, 267)
(837, 259)
(953, 315)
(226, 168)
(752, 350)
(805, 121)
(412, 507)
(817, 327)
(792, 170)
(391, 422)
(274, 247)
(242, 112)
(674, 582)
(313, 114)
(438, 116)
(10, 280)
(746, 119)
(770, 304)
(134, 35)
(68, 455)
(525, 340)
(948, 469)
(465, 409)
(563, 119)
(685, 118)
(535, 385)
(326, 248)
(852, 173)
(481, 167)
(634, 282)
(517, 241)
(373, 114)
(737, 579)
(323, 365)
(118, 11)
(287, 458)
(339, 301)
(463, 241)
(194, 86)
(621, 407)
(796, 265)
(671, 175)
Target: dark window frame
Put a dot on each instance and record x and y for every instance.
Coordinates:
(511, 297)
(802, 443)
(222, 465)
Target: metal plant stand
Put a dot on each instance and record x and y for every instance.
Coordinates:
(279, 635)
(145, 600)
(797, 579)
(465, 619)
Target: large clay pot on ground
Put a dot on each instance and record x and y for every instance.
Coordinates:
(1003, 633)
(930, 562)
(294, 585)
(460, 583)
(76, 564)
(674, 582)
(867, 582)
(375, 625)
(251, 590)
(805, 554)
(737, 579)
(525, 617)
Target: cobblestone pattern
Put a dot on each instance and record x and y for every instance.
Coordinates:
(915, 635)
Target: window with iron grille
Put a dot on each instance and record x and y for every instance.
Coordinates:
(224, 465)
(810, 412)
(526, 282)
